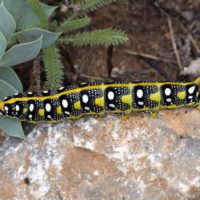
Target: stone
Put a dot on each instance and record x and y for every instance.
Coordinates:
(139, 158)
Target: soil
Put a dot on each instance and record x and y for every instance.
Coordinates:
(149, 53)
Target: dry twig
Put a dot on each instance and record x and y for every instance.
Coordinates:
(194, 43)
(149, 56)
(37, 72)
(174, 44)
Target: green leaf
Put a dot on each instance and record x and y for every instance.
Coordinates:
(71, 25)
(23, 14)
(12, 127)
(39, 11)
(7, 23)
(33, 33)
(53, 67)
(90, 5)
(21, 53)
(97, 37)
(9, 75)
(6, 89)
(48, 9)
(3, 44)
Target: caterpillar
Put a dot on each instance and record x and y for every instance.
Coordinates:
(98, 98)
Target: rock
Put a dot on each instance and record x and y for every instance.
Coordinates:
(139, 158)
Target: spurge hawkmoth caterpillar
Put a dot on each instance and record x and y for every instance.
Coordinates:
(98, 98)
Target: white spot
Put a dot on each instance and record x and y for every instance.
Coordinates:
(6, 108)
(191, 89)
(49, 116)
(190, 97)
(61, 88)
(85, 98)
(30, 116)
(168, 99)
(1, 113)
(67, 112)
(48, 107)
(139, 93)
(30, 93)
(45, 91)
(96, 172)
(31, 107)
(167, 91)
(84, 83)
(141, 103)
(16, 94)
(112, 105)
(64, 103)
(111, 95)
(17, 108)
(86, 108)
(5, 98)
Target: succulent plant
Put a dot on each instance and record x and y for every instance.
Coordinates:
(30, 41)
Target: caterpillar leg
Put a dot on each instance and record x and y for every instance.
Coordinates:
(123, 116)
(152, 114)
(198, 108)
(97, 117)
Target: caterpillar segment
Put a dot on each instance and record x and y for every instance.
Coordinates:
(97, 98)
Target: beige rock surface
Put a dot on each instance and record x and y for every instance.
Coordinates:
(140, 158)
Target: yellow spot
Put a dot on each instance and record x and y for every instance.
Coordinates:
(99, 102)
(153, 115)
(124, 117)
(197, 94)
(77, 105)
(155, 97)
(41, 112)
(126, 99)
(25, 110)
(59, 110)
(181, 95)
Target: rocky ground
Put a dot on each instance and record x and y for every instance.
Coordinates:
(140, 158)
